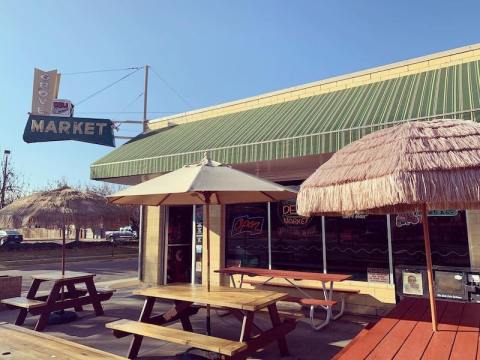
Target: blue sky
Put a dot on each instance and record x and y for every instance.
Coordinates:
(209, 51)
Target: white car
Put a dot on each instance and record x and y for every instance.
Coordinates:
(124, 233)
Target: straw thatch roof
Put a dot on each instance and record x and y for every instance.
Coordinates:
(397, 169)
(63, 206)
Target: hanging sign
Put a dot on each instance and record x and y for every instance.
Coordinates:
(45, 89)
(42, 128)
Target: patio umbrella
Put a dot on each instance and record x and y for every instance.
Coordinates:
(415, 166)
(206, 183)
(60, 208)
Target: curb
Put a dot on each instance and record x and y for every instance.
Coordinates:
(19, 263)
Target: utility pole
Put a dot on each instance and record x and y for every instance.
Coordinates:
(145, 99)
(142, 208)
(5, 174)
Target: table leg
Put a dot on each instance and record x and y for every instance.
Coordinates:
(144, 317)
(73, 293)
(52, 298)
(247, 325)
(32, 291)
(275, 319)
(94, 297)
(180, 307)
(240, 315)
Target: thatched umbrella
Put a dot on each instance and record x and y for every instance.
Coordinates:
(416, 166)
(60, 208)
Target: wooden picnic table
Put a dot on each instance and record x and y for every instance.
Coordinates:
(244, 304)
(73, 297)
(291, 277)
(406, 333)
(23, 344)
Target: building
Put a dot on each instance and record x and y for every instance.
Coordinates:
(284, 136)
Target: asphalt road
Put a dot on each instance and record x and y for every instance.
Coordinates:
(58, 241)
(105, 270)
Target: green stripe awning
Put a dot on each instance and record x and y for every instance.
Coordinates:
(302, 127)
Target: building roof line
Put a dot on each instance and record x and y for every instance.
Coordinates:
(306, 86)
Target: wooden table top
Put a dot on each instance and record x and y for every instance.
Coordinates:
(20, 343)
(243, 299)
(297, 275)
(57, 275)
(406, 333)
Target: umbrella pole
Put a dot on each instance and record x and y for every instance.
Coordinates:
(63, 250)
(428, 256)
(207, 214)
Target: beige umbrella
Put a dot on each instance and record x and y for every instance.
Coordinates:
(416, 166)
(205, 183)
(60, 208)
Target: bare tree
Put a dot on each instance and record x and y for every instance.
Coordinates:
(12, 184)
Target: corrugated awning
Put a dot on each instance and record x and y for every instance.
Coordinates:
(306, 126)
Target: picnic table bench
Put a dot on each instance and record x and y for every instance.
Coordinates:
(406, 333)
(23, 344)
(73, 297)
(245, 303)
(292, 280)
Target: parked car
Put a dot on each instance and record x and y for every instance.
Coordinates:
(10, 237)
(122, 234)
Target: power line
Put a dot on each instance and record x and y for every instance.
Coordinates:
(100, 71)
(167, 84)
(106, 87)
(132, 102)
(127, 112)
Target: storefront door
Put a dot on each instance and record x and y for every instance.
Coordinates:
(184, 244)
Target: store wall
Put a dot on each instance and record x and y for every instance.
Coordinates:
(374, 297)
(473, 221)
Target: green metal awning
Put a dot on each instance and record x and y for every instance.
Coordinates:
(302, 127)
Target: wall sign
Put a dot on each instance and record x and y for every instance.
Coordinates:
(379, 275)
(287, 211)
(41, 128)
(247, 225)
(414, 218)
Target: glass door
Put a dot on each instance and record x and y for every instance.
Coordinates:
(179, 244)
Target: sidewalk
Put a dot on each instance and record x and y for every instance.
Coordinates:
(304, 343)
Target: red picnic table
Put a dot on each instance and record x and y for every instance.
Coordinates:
(406, 333)
(292, 278)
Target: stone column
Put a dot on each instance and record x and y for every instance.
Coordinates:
(153, 245)
(217, 244)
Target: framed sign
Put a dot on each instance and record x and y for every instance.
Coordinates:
(412, 283)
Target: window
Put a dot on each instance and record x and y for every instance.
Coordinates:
(246, 235)
(448, 238)
(355, 244)
(296, 240)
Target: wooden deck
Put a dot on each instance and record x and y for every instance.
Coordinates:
(406, 333)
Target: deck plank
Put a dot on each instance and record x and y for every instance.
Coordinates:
(361, 349)
(441, 343)
(478, 348)
(416, 343)
(465, 346)
(466, 341)
(391, 343)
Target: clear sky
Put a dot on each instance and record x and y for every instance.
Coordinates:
(209, 51)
